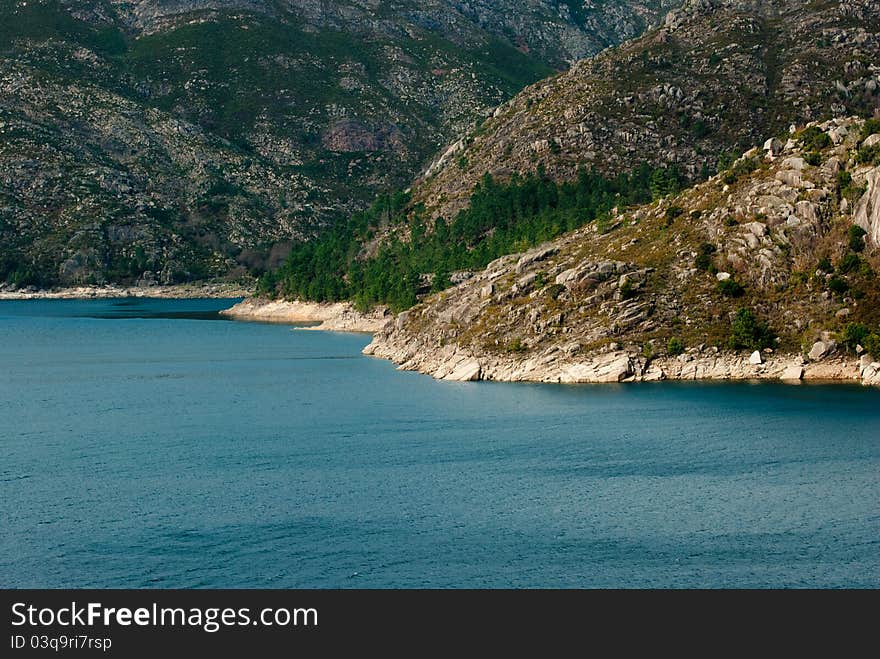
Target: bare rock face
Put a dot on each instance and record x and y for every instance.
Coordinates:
(867, 211)
(337, 316)
(794, 373)
(467, 371)
(821, 349)
(613, 368)
(869, 371)
(535, 256)
(352, 136)
(773, 146)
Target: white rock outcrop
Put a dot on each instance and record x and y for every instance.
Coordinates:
(821, 349)
(773, 147)
(614, 368)
(867, 211)
(466, 371)
(869, 370)
(794, 373)
(337, 316)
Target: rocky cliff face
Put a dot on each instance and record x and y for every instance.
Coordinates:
(176, 139)
(758, 272)
(717, 76)
(867, 213)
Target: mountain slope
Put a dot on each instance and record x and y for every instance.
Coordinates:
(555, 30)
(635, 123)
(779, 253)
(717, 77)
(179, 139)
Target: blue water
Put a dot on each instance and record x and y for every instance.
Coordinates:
(151, 444)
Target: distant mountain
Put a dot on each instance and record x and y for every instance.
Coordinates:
(171, 140)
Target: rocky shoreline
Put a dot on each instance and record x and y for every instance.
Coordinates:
(777, 253)
(333, 317)
(451, 363)
(174, 292)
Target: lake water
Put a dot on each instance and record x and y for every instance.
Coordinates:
(151, 444)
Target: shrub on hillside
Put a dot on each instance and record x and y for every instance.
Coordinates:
(731, 288)
(871, 344)
(838, 285)
(704, 257)
(675, 347)
(850, 263)
(742, 167)
(871, 127)
(857, 238)
(747, 332)
(815, 139)
(854, 335)
(672, 213)
(869, 155)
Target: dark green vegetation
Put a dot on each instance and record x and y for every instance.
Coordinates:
(742, 168)
(747, 332)
(48, 19)
(814, 139)
(859, 334)
(857, 238)
(731, 288)
(501, 219)
(852, 274)
(870, 155)
(704, 258)
(675, 347)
